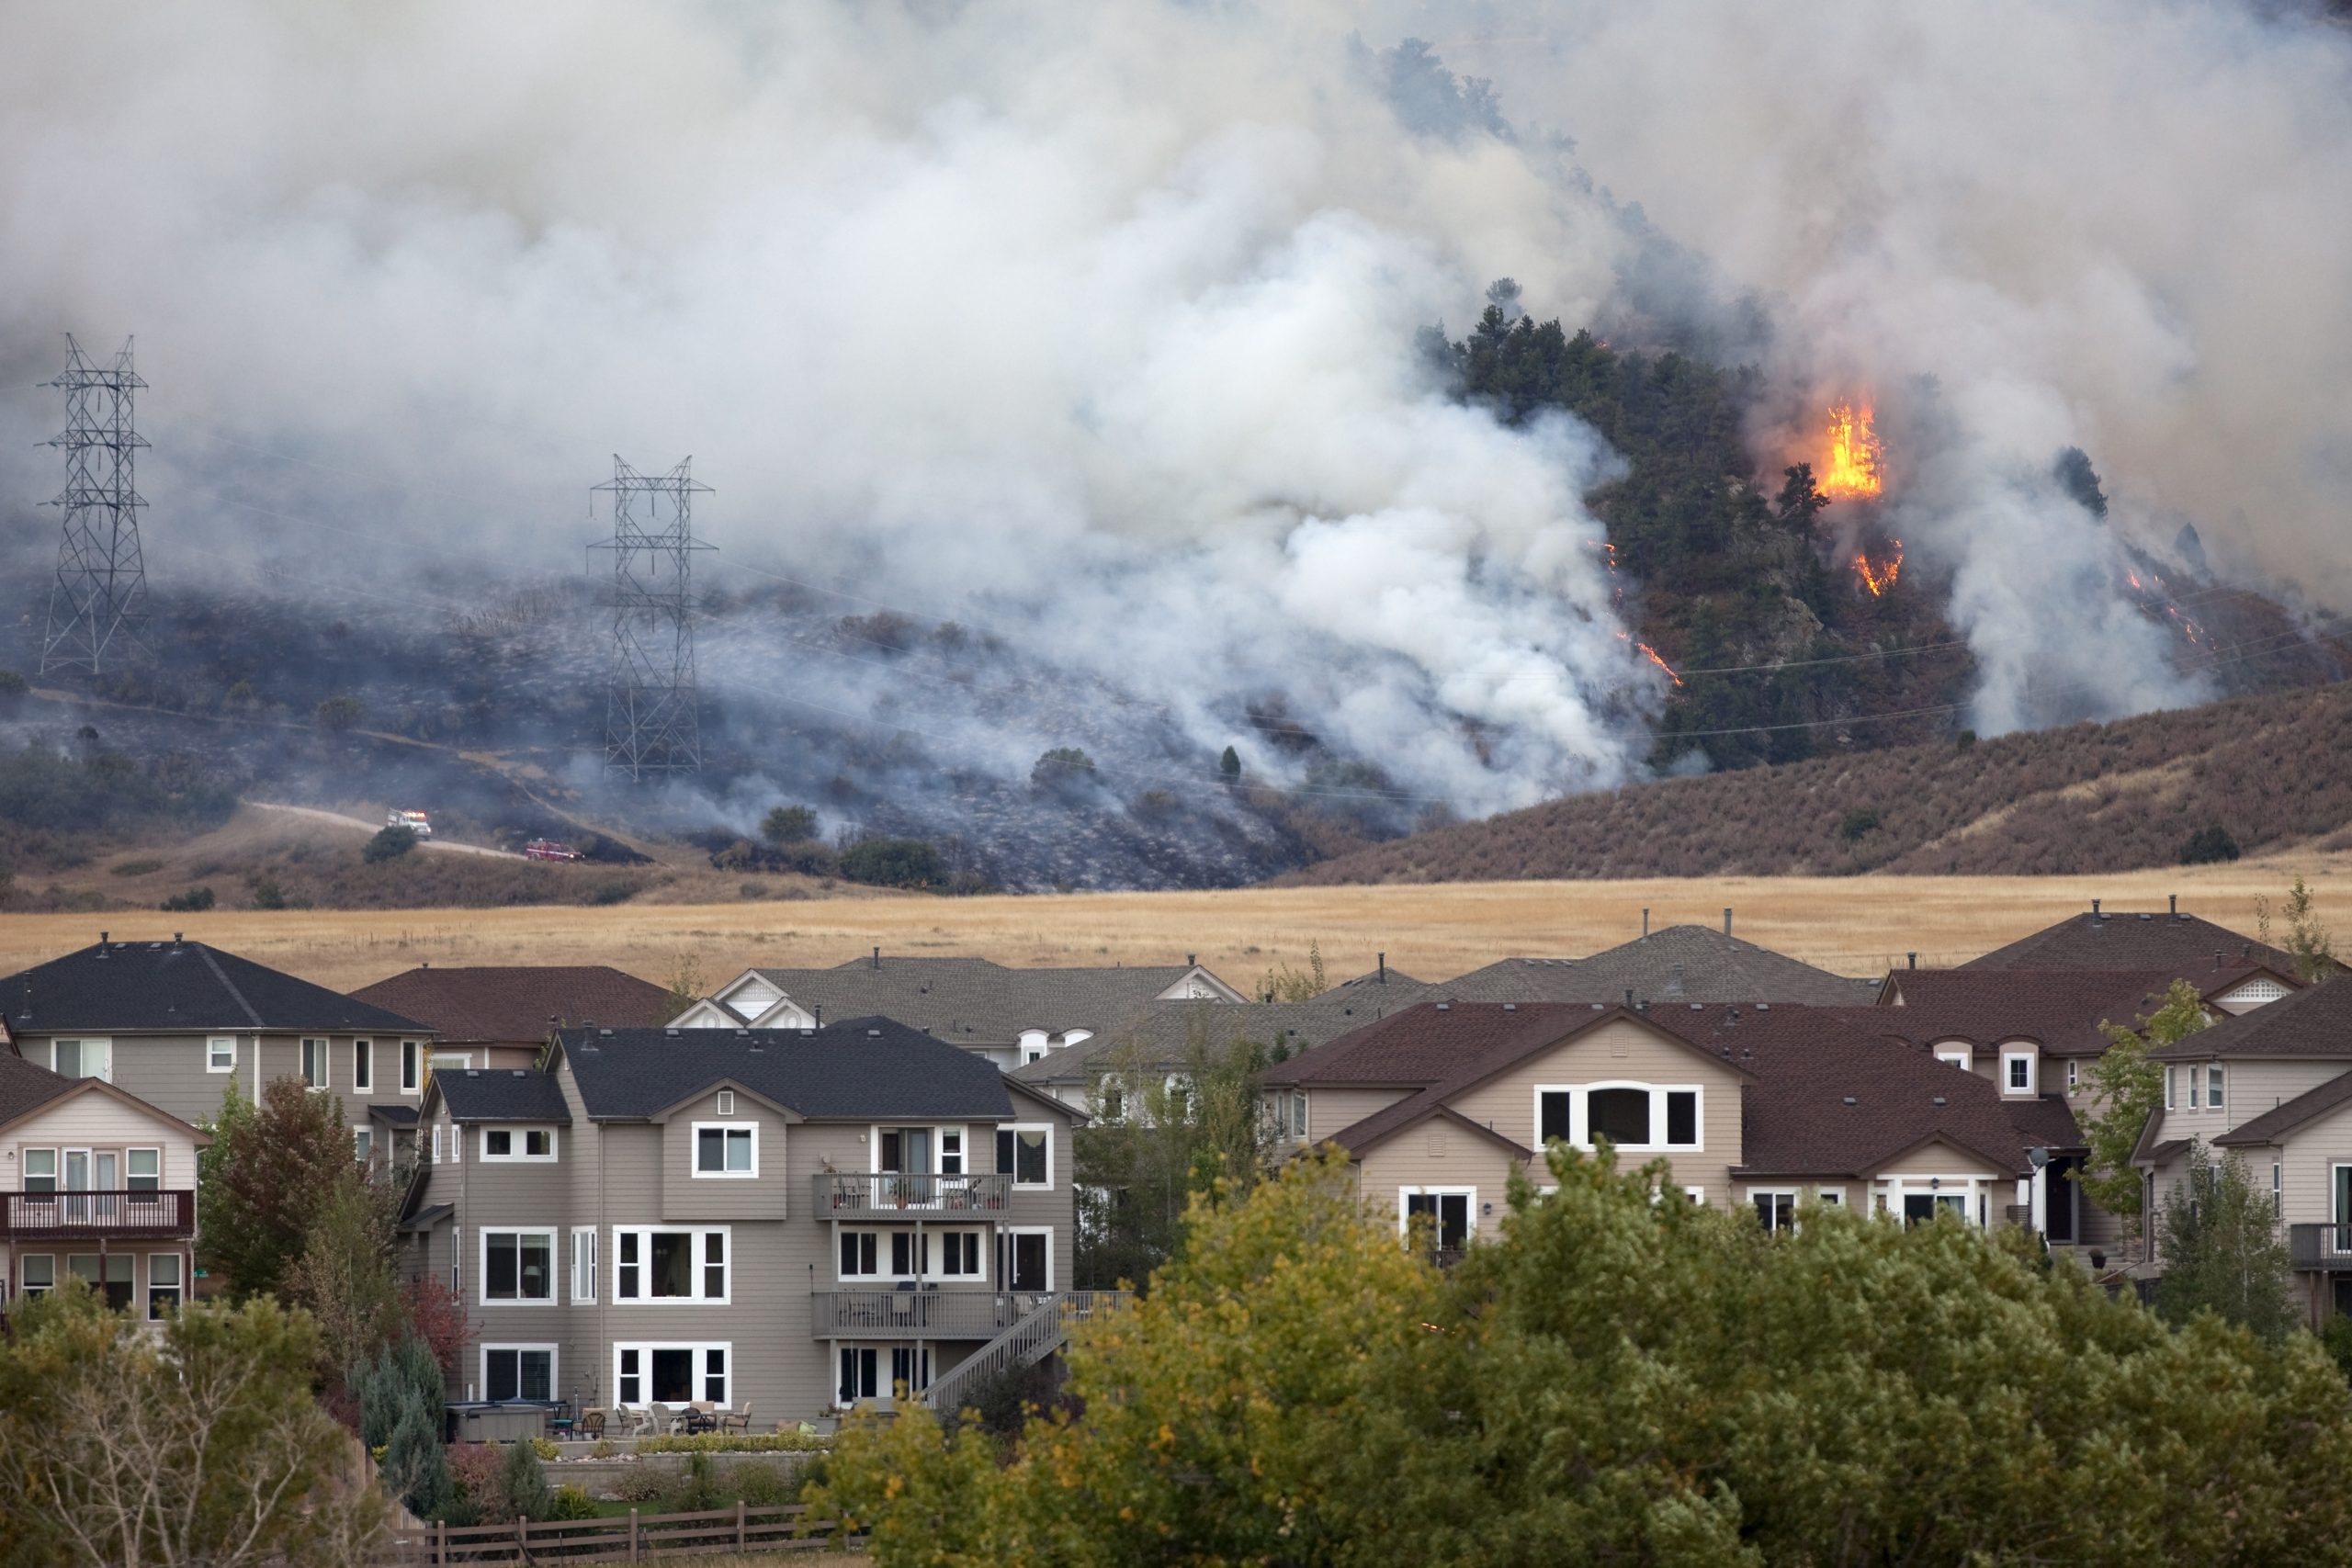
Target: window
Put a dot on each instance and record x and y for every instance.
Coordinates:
(1113, 1101)
(1555, 1116)
(2168, 1072)
(671, 1374)
(2017, 1072)
(220, 1053)
(163, 1284)
(1298, 1114)
(109, 1276)
(518, 1266)
(412, 1067)
(37, 1275)
(859, 1254)
(1960, 1056)
(670, 1264)
(363, 1143)
(1026, 1155)
(905, 1151)
(584, 1265)
(518, 1142)
(1775, 1207)
(456, 1254)
(314, 1062)
(726, 1102)
(1681, 1118)
(1632, 1116)
(731, 1149)
(517, 1371)
(2277, 1190)
(1024, 1259)
(1830, 1197)
(960, 1255)
(83, 1059)
(363, 1065)
(2213, 1087)
(950, 1151)
(40, 1170)
(909, 1254)
(1445, 1210)
(2073, 1072)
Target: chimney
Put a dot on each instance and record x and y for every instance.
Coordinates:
(1677, 979)
(1384, 968)
(176, 939)
(1726, 919)
(102, 938)
(819, 1013)
(2096, 916)
(2217, 958)
(1192, 961)
(1645, 922)
(878, 958)
(2172, 901)
(1910, 961)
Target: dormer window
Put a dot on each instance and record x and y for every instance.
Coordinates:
(2017, 1072)
(518, 1142)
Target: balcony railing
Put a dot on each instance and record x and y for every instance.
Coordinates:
(92, 1216)
(945, 1314)
(887, 1195)
(2321, 1248)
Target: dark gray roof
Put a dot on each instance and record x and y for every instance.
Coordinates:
(2181, 944)
(1162, 1034)
(500, 1094)
(394, 1116)
(1680, 964)
(857, 1068)
(427, 1218)
(973, 1001)
(2280, 1120)
(128, 988)
(2314, 1022)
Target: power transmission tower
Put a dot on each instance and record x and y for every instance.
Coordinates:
(98, 601)
(652, 719)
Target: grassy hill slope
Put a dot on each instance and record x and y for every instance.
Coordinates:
(2271, 771)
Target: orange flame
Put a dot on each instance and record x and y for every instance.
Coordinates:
(1879, 577)
(1856, 453)
(1651, 654)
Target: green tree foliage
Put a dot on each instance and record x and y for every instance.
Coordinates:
(788, 824)
(338, 713)
(685, 982)
(197, 1445)
(523, 1489)
(345, 1276)
(105, 793)
(893, 863)
(2311, 944)
(401, 1397)
(1228, 767)
(2126, 1089)
(2223, 1250)
(2209, 846)
(269, 1173)
(389, 843)
(1062, 766)
(1860, 820)
(1620, 1376)
(1283, 984)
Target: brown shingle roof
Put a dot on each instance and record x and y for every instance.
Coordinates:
(512, 1005)
(2180, 944)
(24, 1086)
(2315, 1021)
(2058, 1010)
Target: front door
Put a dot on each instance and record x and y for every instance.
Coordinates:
(2059, 1194)
(1023, 1262)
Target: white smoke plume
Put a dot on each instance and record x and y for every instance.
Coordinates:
(1095, 325)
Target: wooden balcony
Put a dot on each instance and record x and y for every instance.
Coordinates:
(886, 1196)
(947, 1313)
(97, 1216)
(2324, 1249)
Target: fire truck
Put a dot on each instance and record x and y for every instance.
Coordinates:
(549, 848)
(414, 821)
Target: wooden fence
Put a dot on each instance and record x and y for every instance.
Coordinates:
(634, 1539)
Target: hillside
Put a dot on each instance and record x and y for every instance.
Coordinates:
(2270, 771)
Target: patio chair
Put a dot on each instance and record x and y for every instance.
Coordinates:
(644, 1423)
(592, 1424)
(736, 1420)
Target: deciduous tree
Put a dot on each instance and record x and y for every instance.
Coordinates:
(2221, 1249)
(268, 1173)
(2126, 1088)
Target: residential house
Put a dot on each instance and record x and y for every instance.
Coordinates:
(1676, 964)
(95, 1183)
(2147, 940)
(501, 1016)
(1010, 1016)
(175, 1021)
(804, 1219)
(2273, 1086)
(1762, 1106)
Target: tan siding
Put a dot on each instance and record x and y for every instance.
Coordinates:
(1331, 1112)
(1438, 1153)
(686, 1196)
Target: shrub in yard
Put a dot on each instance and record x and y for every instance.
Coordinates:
(474, 1472)
(523, 1490)
(733, 1443)
(391, 843)
(572, 1503)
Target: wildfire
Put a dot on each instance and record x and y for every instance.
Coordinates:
(1879, 576)
(1856, 455)
(1651, 654)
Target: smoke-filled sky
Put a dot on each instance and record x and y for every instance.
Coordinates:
(1094, 325)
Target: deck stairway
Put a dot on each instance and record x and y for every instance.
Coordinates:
(1037, 1335)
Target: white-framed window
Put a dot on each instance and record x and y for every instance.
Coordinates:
(517, 1371)
(314, 1062)
(1111, 1101)
(661, 1263)
(518, 1142)
(1633, 1116)
(1287, 1112)
(726, 1150)
(2168, 1072)
(451, 1061)
(584, 1265)
(1697, 1195)
(2016, 1071)
(1024, 1257)
(1829, 1197)
(2073, 1072)
(363, 1065)
(39, 1169)
(457, 1253)
(950, 1151)
(83, 1059)
(673, 1374)
(142, 1170)
(1959, 1056)
(412, 1067)
(37, 1273)
(220, 1053)
(1025, 1151)
(910, 1368)
(363, 1141)
(959, 1255)
(726, 1102)
(518, 1266)
(1449, 1212)
(2213, 1087)
(2278, 1190)
(1775, 1207)
(163, 1284)
(437, 1143)
(861, 1255)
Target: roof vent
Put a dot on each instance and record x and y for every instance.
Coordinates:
(2147, 917)
(807, 1033)
(1910, 961)
(670, 1032)
(2171, 903)
(605, 1033)
(473, 1072)
(1445, 1007)
(1849, 1099)
(1510, 1007)
(517, 1072)
(2096, 916)
(874, 1035)
(1939, 1099)
(1763, 1007)
(739, 1034)
(1697, 1006)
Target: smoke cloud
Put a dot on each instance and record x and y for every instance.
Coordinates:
(1093, 327)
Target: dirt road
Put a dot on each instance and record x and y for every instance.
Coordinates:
(316, 815)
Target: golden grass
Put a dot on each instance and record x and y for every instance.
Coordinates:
(1856, 925)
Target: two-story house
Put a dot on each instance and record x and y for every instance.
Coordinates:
(174, 1021)
(2273, 1086)
(97, 1184)
(804, 1219)
(1013, 1017)
(1762, 1106)
(2146, 940)
(500, 1015)
(1674, 963)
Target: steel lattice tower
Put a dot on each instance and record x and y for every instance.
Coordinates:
(652, 720)
(98, 601)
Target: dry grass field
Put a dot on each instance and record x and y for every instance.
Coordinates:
(1856, 925)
